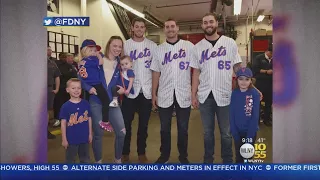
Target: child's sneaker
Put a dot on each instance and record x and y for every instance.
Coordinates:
(102, 124)
(56, 123)
(114, 103)
(108, 127)
(117, 161)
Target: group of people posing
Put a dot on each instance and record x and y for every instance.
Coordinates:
(147, 75)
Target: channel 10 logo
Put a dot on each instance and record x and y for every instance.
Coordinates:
(258, 151)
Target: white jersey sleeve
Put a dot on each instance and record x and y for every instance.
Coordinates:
(237, 58)
(194, 63)
(155, 64)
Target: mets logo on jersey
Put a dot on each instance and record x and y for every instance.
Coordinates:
(73, 120)
(206, 55)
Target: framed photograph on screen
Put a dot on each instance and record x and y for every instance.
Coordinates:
(52, 36)
(58, 38)
(65, 48)
(59, 48)
(53, 46)
(76, 42)
(71, 40)
(65, 39)
(71, 49)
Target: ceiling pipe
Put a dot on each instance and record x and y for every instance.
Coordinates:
(240, 17)
(213, 6)
(186, 4)
(255, 11)
(252, 15)
(153, 19)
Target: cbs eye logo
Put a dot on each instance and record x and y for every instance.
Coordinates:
(258, 151)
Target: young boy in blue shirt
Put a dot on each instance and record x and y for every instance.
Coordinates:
(76, 124)
(244, 111)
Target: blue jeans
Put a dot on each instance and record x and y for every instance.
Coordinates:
(82, 150)
(116, 120)
(207, 111)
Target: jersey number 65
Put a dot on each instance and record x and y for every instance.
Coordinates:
(224, 65)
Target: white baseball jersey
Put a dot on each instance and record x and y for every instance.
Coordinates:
(141, 54)
(216, 68)
(173, 61)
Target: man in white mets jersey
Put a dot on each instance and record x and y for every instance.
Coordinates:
(171, 87)
(141, 51)
(214, 60)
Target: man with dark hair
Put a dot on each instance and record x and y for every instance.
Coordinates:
(171, 87)
(140, 50)
(49, 54)
(215, 59)
(262, 69)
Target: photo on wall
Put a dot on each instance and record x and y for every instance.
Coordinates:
(53, 6)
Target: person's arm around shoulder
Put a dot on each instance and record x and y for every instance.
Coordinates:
(194, 63)
(155, 67)
(253, 127)
(259, 92)
(131, 77)
(236, 61)
(232, 117)
(256, 69)
(119, 71)
(194, 87)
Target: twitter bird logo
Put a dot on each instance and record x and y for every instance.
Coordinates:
(47, 21)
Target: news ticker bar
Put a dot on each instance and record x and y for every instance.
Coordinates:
(66, 21)
(155, 167)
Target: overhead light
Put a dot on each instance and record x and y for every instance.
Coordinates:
(260, 18)
(128, 8)
(237, 7)
(151, 22)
